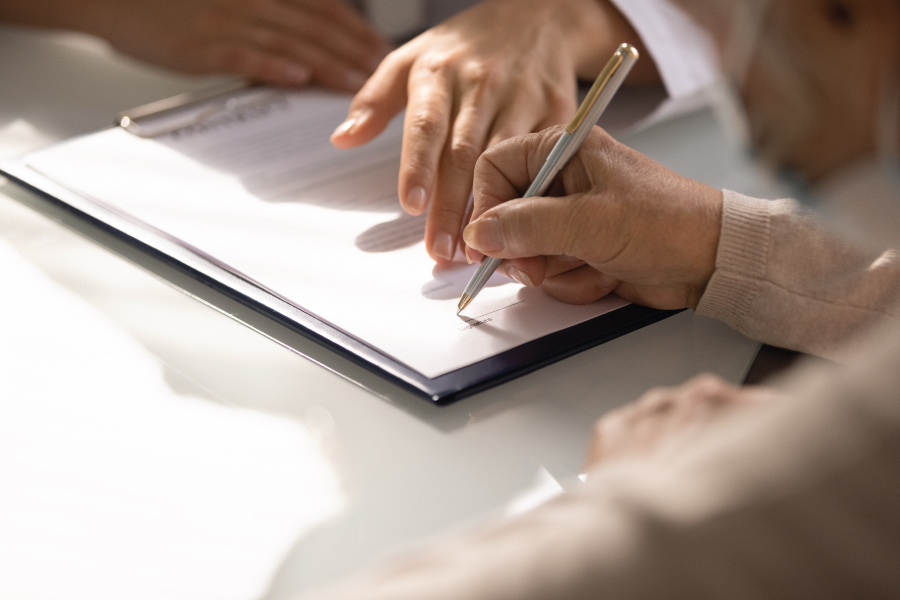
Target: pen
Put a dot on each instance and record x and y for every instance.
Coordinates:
(596, 101)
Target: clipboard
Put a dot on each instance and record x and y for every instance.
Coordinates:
(215, 283)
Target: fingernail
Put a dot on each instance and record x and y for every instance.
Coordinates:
(416, 200)
(354, 79)
(352, 124)
(519, 276)
(345, 127)
(473, 256)
(298, 75)
(443, 246)
(485, 234)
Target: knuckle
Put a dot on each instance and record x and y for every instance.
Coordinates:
(706, 381)
(653, 397)
(482, 75)
(426, 125)
(464, 153)
(712, 386)
(438, 62)
(664, 405)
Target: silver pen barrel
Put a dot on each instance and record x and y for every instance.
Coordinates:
(538, 187)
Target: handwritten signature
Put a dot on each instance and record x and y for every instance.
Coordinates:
(474, 323)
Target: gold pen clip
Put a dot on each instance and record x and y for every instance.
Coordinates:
(605, 75)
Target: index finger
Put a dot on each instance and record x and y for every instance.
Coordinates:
(381, 98)
(505, 171)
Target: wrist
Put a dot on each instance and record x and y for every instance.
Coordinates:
(600, 29)
(705, 234)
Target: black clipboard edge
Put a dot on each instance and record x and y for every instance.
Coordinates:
(549, 349)
(444, 389)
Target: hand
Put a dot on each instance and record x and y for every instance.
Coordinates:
(500, 69)
(282, 42)
(615, 221)
(665, 414)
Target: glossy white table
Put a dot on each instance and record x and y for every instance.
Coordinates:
(407, 470)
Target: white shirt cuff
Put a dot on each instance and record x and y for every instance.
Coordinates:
(683, 52)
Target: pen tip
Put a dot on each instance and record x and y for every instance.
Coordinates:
(463, 302)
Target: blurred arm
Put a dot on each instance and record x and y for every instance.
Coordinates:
(43, 13)
(293, 43)
(796, 498)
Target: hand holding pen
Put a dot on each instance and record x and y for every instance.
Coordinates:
(596, 101)
(615, 221)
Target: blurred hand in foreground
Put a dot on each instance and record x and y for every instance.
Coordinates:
(500, 69)
(615, 221)
(665, 414)
(282, 42)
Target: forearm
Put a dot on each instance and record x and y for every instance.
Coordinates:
(783, 278)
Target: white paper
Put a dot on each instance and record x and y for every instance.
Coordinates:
(114, 486)
(260, 188)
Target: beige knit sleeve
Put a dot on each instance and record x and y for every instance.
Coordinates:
(783, 278)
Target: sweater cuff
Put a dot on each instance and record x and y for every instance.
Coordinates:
(741, 259)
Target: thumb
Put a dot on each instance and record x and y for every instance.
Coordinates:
(540, 226)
